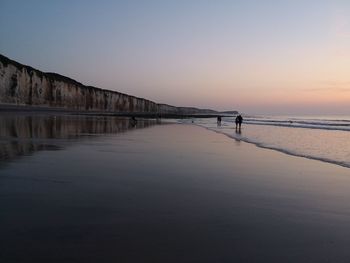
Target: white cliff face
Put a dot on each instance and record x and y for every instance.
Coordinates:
(22, 85)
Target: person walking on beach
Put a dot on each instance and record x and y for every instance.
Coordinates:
(239, 120)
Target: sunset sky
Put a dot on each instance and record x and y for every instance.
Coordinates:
(259, 57)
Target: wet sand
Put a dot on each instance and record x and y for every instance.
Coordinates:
(171, 193)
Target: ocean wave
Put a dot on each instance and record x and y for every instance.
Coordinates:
(264, 145)
(299, 124)
(296, 119)
(323, 127)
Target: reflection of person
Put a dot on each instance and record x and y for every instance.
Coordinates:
(133, 121)
(219, 120)
(239, 120)
(238, 131)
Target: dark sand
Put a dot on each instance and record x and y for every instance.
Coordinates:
(169, 193)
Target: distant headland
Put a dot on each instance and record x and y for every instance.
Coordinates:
(25, 88)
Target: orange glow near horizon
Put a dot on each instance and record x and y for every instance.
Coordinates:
(252, 56)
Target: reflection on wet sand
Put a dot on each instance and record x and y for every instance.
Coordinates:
(23, 135)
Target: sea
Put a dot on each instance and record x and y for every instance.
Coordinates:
(324, 138)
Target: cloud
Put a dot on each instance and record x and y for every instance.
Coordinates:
(330, 85)
(327, 89)
(333, 83)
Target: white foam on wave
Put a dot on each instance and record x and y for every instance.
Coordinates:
(341, 124)
(227, 128)
(305, 126)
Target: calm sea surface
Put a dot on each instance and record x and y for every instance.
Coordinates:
(103, 189)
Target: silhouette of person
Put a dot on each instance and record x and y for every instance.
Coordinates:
(239, 120)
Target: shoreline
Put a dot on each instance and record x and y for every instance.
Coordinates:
(52, 110)
(260, 145)
(15, 109)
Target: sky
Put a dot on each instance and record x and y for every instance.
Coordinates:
(259, 57)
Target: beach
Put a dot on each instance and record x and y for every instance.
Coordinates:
(76, 189)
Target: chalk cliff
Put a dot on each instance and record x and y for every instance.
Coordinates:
(23, 85)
